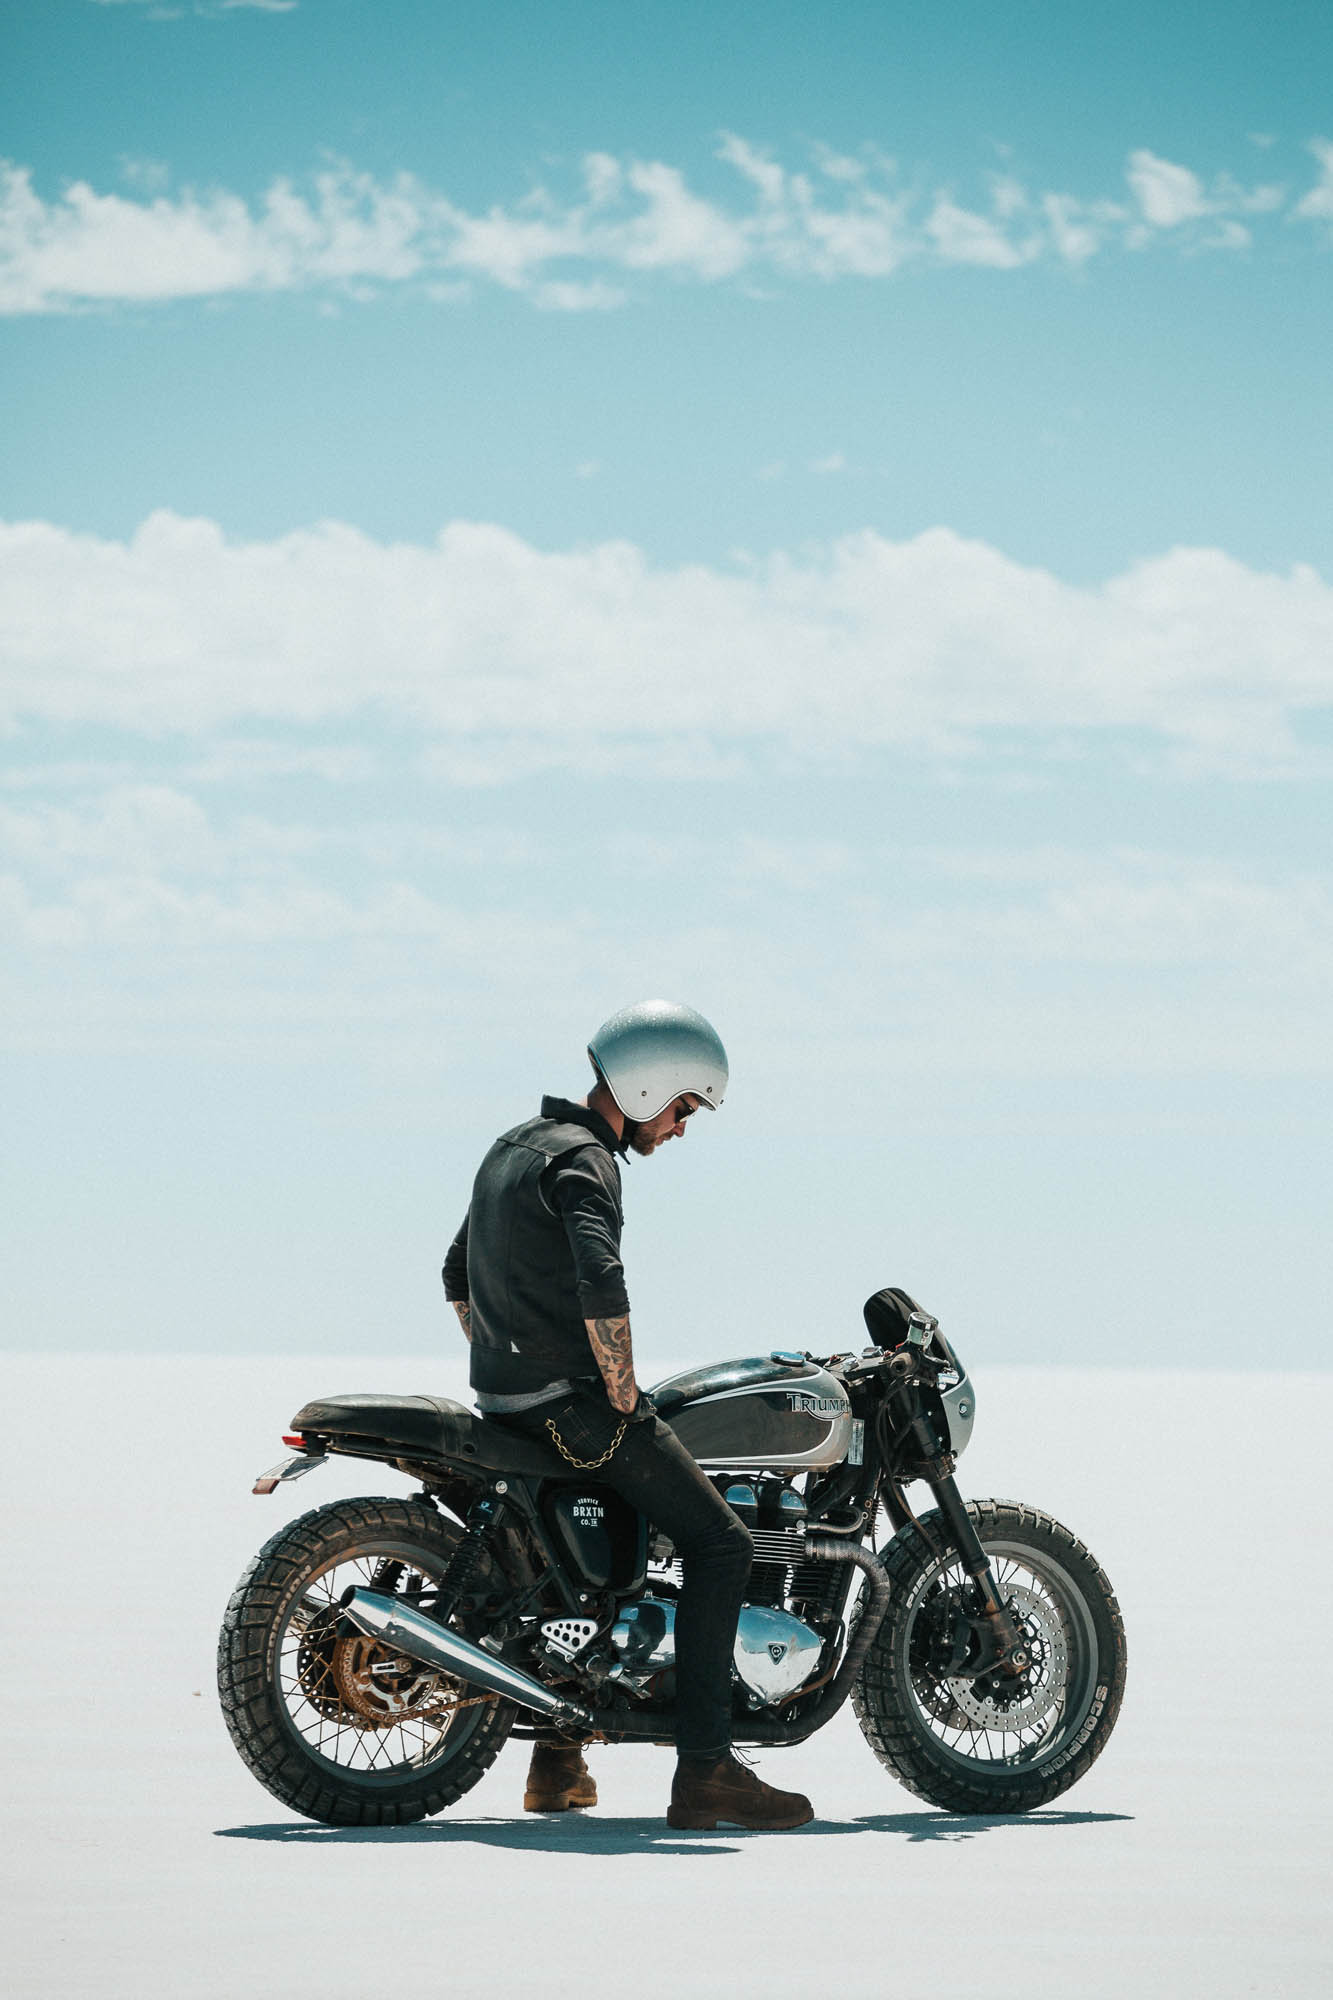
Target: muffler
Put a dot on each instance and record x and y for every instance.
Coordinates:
(409, 1631)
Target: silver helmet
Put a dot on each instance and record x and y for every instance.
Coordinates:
(655, 1051)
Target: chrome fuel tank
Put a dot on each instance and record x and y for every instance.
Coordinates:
(768, 1413)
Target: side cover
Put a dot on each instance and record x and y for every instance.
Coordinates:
(600, 1536)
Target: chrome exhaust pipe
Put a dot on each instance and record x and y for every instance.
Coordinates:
(409, 1631)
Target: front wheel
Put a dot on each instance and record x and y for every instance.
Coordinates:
(992, 1744)
(336, 1725)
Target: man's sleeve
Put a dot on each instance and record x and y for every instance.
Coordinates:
(455, 1266)
(585, 1193)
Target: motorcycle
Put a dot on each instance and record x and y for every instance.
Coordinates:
(378, 1653)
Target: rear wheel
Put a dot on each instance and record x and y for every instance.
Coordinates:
(993, 1743)
(336, 1725)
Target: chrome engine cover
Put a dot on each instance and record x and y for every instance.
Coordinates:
(774, 1652)
(644, 1635)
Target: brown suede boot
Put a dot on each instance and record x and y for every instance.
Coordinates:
(558, 1778)
(703, 1794)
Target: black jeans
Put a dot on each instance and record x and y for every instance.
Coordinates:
(653, 1471)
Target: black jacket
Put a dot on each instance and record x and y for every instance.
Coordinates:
(539, 1250)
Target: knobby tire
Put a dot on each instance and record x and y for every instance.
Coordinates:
(887, 1698)
(260, 1719)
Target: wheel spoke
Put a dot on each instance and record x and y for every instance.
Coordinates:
(995, 1719)
(343, 1712)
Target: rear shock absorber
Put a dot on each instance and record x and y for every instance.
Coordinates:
(462, 1565)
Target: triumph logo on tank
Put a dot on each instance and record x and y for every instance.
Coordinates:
(814, 1406)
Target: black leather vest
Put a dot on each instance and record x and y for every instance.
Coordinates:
(527, 1322)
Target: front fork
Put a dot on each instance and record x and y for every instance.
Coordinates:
(1011, 1652)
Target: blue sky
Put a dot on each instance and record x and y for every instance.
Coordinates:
(826, 514)
(1074, 409)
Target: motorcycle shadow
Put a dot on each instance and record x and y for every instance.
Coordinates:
(965, 1826)
(586, 1834)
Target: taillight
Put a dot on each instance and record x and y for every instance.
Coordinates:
(295, 1443)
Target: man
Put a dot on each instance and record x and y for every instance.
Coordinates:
(535, 1277)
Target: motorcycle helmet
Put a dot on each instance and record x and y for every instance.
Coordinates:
(655, 1051)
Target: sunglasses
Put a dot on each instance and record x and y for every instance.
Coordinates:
(683, 1110)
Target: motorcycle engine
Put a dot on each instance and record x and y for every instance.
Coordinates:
(773, 1655)
(775, 1652)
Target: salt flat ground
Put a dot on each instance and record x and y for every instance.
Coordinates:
(142, 1859)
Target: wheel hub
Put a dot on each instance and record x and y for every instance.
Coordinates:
(379, 1686)
(357, 1679)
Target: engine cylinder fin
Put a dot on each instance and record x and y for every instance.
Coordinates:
(777, 1545)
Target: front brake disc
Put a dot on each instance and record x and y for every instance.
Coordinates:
(1012, 1704)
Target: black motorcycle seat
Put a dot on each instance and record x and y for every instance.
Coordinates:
(429, 1426)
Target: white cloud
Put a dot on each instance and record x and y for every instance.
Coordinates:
(187, 926)
(1079, 229)
(865, 234)
(1264, 199)
(148, 861)
(232, 760)
(1317, 205)
(146, 176)
(1171, 196)
(149, 909)
(932, 642)
(962, 237)
(567, 295)
(603, 177)
(1125, 907)
(131, 828)
(629, 220)
(676, 230)
(90, 246)
(1008, 196)
(478, 761)
(132, 854)
(1228, 234)
(768, 178)
(156, 10)
(1167, 194)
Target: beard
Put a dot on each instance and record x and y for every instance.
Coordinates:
(638, 1140)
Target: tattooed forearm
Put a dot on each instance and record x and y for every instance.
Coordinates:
(463, 1307)
(610, 1343)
